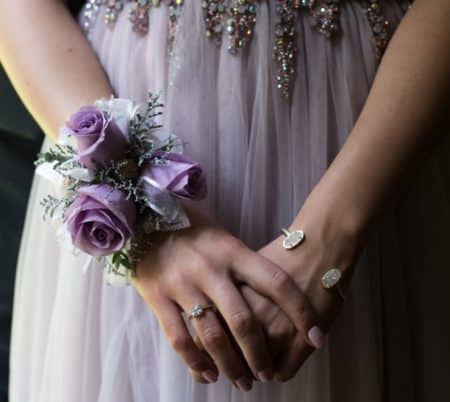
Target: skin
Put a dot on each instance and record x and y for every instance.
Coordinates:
(214, 263)
(404, 106)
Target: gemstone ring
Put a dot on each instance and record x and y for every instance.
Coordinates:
(198, 310)
(331, 279)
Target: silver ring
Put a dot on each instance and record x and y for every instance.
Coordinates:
(198, 310)
(331, 279)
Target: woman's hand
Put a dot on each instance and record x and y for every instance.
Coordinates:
(279, 330)
(330, 242)
(202, 265)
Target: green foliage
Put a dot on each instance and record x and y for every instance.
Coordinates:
(121, 258)
(59, 154)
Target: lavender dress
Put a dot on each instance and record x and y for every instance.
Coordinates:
(264, 142)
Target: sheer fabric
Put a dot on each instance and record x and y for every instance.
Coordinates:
(77, 339)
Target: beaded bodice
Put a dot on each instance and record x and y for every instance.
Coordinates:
(233, 22)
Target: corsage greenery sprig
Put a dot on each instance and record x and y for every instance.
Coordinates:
(119, 175)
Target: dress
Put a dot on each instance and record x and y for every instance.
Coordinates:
(76, 339)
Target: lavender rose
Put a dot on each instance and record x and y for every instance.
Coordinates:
(176, 173)
(99, 138)
(100, 220)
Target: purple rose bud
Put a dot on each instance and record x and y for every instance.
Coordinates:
(100, 220)
(177, 174)
(99, 138)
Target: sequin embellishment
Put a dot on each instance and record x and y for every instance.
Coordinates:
(113, 9)
(379, 24)
(235, 20)
(285, 48)
(324, 18)
(138, 15)
(89, 15)
(213, 15)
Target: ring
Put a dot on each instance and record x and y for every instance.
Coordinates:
(198, 310)
(331, 278)
(292, 239)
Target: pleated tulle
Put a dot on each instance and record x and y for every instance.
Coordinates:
(76, 339)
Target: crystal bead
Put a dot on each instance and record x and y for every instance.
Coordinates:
(196, 311)
(292, 239)
(217, 14)
(331, 278)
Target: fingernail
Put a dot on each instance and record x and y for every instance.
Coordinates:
(209, 376)
(265, 375)
(316, 336)
(244, 384)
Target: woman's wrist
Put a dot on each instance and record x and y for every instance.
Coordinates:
(333, 228)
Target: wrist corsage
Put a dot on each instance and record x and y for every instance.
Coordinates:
(118, 176)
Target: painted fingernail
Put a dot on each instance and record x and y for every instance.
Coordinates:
(244, 384)
(210, 376)
(316, 336)
(265, 375)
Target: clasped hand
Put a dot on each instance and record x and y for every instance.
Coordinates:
(265, 325)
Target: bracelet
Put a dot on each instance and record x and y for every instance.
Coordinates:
(118, 176)
(292, 239)
(331, 279)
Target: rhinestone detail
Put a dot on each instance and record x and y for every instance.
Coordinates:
(89, 14)
(197, 311)
(236, 19)
(331, 278)
(112, 11)
(325, 16)
(293, 239)
(379, 24)
(240, 23)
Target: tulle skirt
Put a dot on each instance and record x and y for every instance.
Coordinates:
(77, 339)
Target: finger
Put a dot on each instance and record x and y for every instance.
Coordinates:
(292, 359)
(216, 342)
(270, 280)
(245, 328)
(198, 377)
(198, 342)
(173, 325)
(281, 333)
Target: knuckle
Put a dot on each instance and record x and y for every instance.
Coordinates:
(304, 314)
(201, 262)
(213, 338)
(233, 243)
(281, 280)
(279, 334)
(181, 343)
(176, 279)
(233, 248)
(242, 323)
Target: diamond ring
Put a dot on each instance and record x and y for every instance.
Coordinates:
(197, 311)
(331, 279)
(292, 239)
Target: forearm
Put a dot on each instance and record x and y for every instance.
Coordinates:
(408, 96)
(49, 61)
